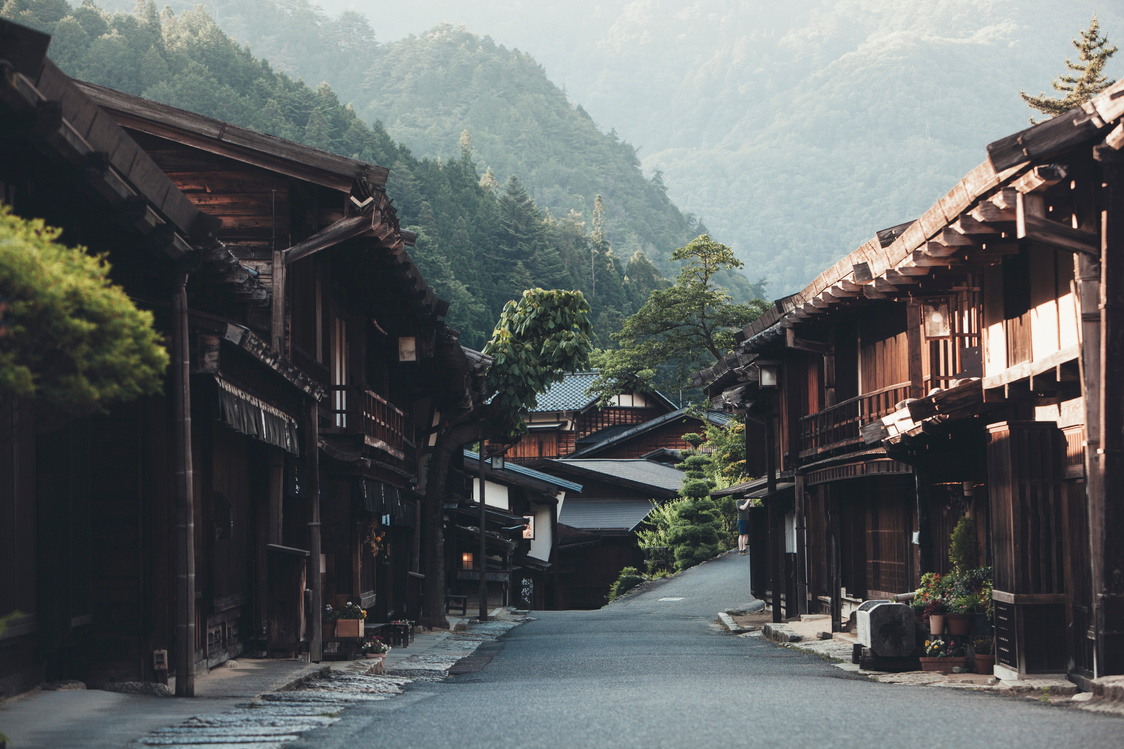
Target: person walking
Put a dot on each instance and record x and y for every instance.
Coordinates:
(743, 526)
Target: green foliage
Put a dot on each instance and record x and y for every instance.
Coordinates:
(70, 339)
(628, 579)
(478, 246)
(688, 325)
(1086, 78)
(695, 533)
(963, 550)
(538, 339)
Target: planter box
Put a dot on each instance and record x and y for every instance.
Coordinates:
(943, 665)
(349, 628)
(327, 628)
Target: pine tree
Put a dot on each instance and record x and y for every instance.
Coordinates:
(1086, 78)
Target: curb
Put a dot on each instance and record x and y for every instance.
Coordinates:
(780, 634)
(730, 623)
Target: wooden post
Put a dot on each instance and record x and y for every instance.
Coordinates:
(1106, 518)
(776, 558)
(913, 346)
(924, 521)
(312, 453)
(835, 531)
(184, 493)
(801, 549)
(483, 591)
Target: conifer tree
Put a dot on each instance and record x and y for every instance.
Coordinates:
(1085, 79)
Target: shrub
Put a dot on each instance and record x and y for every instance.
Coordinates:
(962, 549)
(628, 579)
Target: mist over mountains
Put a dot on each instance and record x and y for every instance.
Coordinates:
(792, 131)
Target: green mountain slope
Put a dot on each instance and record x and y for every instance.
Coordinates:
(796, 129)
(478, 244)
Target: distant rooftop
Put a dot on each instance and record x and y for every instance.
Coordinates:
(471, 459)
(635, 470)
(567, 395)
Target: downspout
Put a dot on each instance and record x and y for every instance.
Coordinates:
(184, 493)
(312, 450)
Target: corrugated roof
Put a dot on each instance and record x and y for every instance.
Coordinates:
(635, 470)
(567, 395)
(604, 514)
(530, 473)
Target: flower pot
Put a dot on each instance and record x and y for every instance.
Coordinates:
(349, 628)
(371, 656)
(984, 664)
(958, 624)
(936, 624)
(943, 665)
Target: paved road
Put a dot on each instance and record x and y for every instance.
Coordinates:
(654, 670)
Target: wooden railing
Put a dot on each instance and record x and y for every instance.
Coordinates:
(838, 426)
(382, 424)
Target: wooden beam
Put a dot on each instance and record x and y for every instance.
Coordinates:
(1039, 178)
(1032, 224)
(999, 207)
(873, 292)
(341, 231)
(898, 278)
(923, 259)
(970, 226)
(802, 344)
(913, 271)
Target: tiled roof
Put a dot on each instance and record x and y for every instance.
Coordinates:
(616, 434)
(636, 471)
(471, 459)
(567, 395)
(604, 514)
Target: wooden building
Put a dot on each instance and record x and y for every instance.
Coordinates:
(567, 421)
(598, 523)
(521, 527)
(960, 363)
(278, 471)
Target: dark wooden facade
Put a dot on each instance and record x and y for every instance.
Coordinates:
(962, 363)
(309, 351)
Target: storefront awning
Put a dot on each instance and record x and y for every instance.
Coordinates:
(253, 417)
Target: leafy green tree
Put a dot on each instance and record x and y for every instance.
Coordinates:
(72, 341)
(1086, 77)
(537, 340)
(688, 325)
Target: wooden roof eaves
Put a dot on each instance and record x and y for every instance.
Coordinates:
(84, 137)
(238, 143)
(1041, 142)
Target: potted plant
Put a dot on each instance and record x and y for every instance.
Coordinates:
(328, 622)
(983, 654)
(349, 621)
(943, 656)
(375, 648)
(931, 599)
(960, 610)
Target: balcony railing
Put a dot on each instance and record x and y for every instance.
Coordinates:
(838, 426)
(382, 424)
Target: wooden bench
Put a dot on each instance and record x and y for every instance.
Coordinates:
(456, 602)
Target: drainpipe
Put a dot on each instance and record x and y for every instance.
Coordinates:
(183, 493)
(312, 450)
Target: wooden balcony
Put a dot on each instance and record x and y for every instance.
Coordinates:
(358, 411)
(837, 427)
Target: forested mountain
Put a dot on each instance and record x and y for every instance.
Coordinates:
(796, 129)
(479, 243)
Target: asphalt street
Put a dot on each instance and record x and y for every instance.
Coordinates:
(655, 669)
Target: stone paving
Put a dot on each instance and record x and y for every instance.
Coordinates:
(277, 718)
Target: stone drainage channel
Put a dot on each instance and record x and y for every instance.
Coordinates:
(272, 720)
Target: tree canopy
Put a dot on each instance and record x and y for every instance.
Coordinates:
(1086, 78)
(71, 340)
(685, 327)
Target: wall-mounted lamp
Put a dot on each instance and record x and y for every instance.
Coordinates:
(407, 348)
(497, 462)
(768, 374)
(466, 560)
